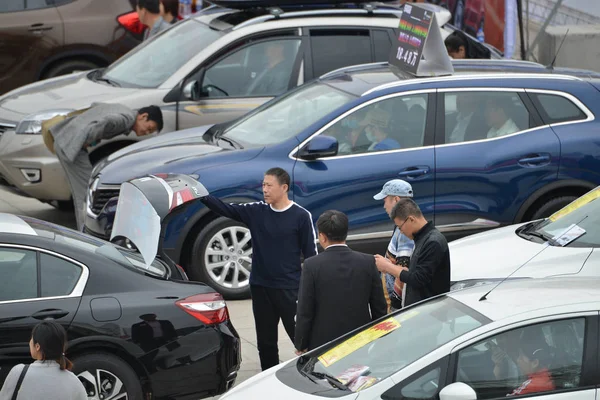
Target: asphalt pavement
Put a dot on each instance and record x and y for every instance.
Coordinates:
(240, 311)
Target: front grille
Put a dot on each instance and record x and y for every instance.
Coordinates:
(4, 128)
(101, 197)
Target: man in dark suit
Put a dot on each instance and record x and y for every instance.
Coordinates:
(340, 289)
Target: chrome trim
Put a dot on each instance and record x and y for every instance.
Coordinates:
(79, 286)
(482, 75)
(90, 202)
(373, 235)
(465, 226)
(339, 117)
(568, 96)
(494, 138)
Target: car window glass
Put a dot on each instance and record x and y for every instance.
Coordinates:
(157, 59)
(261, 69)
(483, 115)
(18, 274)
(423, 387)
(34, 4)
(395, 123)
(382, 45)
(558, 109)
(333, 49)
(533, 359)
(12, 5)
(59, 276)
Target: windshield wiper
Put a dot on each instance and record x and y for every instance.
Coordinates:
(100, 78)
(331, 379)
(232, 142)
(542, 236)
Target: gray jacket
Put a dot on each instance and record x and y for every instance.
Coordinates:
(159, 26)
(101, 121)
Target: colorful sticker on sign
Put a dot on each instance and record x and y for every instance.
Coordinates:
(359, 340)
(586, 198)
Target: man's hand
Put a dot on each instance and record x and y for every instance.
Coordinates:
(383, 264)
(300, 352)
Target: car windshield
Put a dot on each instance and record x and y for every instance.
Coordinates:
(386, 347)
(120, 255)
(153, 62)
(287, 116)
(575, 225)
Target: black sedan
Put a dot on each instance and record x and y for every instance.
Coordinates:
(137, 329)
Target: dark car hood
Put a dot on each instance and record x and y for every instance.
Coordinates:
(179, 157)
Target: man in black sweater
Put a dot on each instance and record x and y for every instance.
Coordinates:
(340, 290)
(428, 273)
(281, 232)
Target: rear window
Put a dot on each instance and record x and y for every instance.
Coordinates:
(555, 109)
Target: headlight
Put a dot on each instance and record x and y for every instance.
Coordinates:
(32, 124)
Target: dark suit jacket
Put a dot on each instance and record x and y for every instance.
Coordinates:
(476, 129)
(337, 289)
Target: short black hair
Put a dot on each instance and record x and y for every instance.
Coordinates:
(404, 208)
(153, 6)
(154, 114)
(281, 174)
(171, 7)
(453, 43)
(334, 225)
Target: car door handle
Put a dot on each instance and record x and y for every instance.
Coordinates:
(535, 159)
(413, 172)
(39, 28)
(50, 314)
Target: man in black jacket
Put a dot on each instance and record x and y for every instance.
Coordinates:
(428, 273)
(340, 289)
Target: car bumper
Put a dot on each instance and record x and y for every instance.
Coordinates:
(203, 363)
(28, 166)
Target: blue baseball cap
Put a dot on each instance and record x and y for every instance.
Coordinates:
(395, 187)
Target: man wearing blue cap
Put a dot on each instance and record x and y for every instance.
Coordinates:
(400, 247)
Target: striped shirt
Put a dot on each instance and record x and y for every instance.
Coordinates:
(279, 239)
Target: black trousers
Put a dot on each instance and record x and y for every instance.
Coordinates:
(269, 305)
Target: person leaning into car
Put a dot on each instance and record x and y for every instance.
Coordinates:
(340, 289)
(281, 232)
(428, 273)
(71, 137)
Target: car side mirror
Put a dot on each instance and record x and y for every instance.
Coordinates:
(319, 147)
(458, 391)
(190, 91)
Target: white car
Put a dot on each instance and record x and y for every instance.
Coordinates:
(566, 243)
(465, 345)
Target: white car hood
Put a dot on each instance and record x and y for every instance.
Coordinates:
(499, 252)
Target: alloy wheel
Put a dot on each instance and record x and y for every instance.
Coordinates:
(228, 257)
(104, 385)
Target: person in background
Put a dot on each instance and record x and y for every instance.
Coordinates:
(72, 137)
(340, 289)
(282, 232)
(456, 47)
(49, 377)
(428, 273)
(377, 129)
(149, 15)
(169, 10)
(533, 362)
(498, 117)
(400, 247)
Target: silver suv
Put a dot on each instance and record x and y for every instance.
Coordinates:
(208, 69)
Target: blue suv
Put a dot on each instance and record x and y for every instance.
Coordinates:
(480, 150)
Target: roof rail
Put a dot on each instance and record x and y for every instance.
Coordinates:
(505, 75)
(352, 68)
(278, 13)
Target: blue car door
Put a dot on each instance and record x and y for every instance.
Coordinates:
(492, 154)
(380, 140)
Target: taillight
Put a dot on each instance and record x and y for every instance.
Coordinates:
(131, 22)
(209, 308)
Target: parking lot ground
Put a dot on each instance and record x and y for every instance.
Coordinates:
(240, 311)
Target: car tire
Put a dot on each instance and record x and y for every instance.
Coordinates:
(225, 270)
(69, 66)
(106, 377)
(552, 206)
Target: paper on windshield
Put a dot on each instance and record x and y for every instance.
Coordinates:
(568, 234)
(359, 340)
(586, 198)
(138, 221)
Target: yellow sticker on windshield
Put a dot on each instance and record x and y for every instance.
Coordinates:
(359, 340)
(586, 198)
